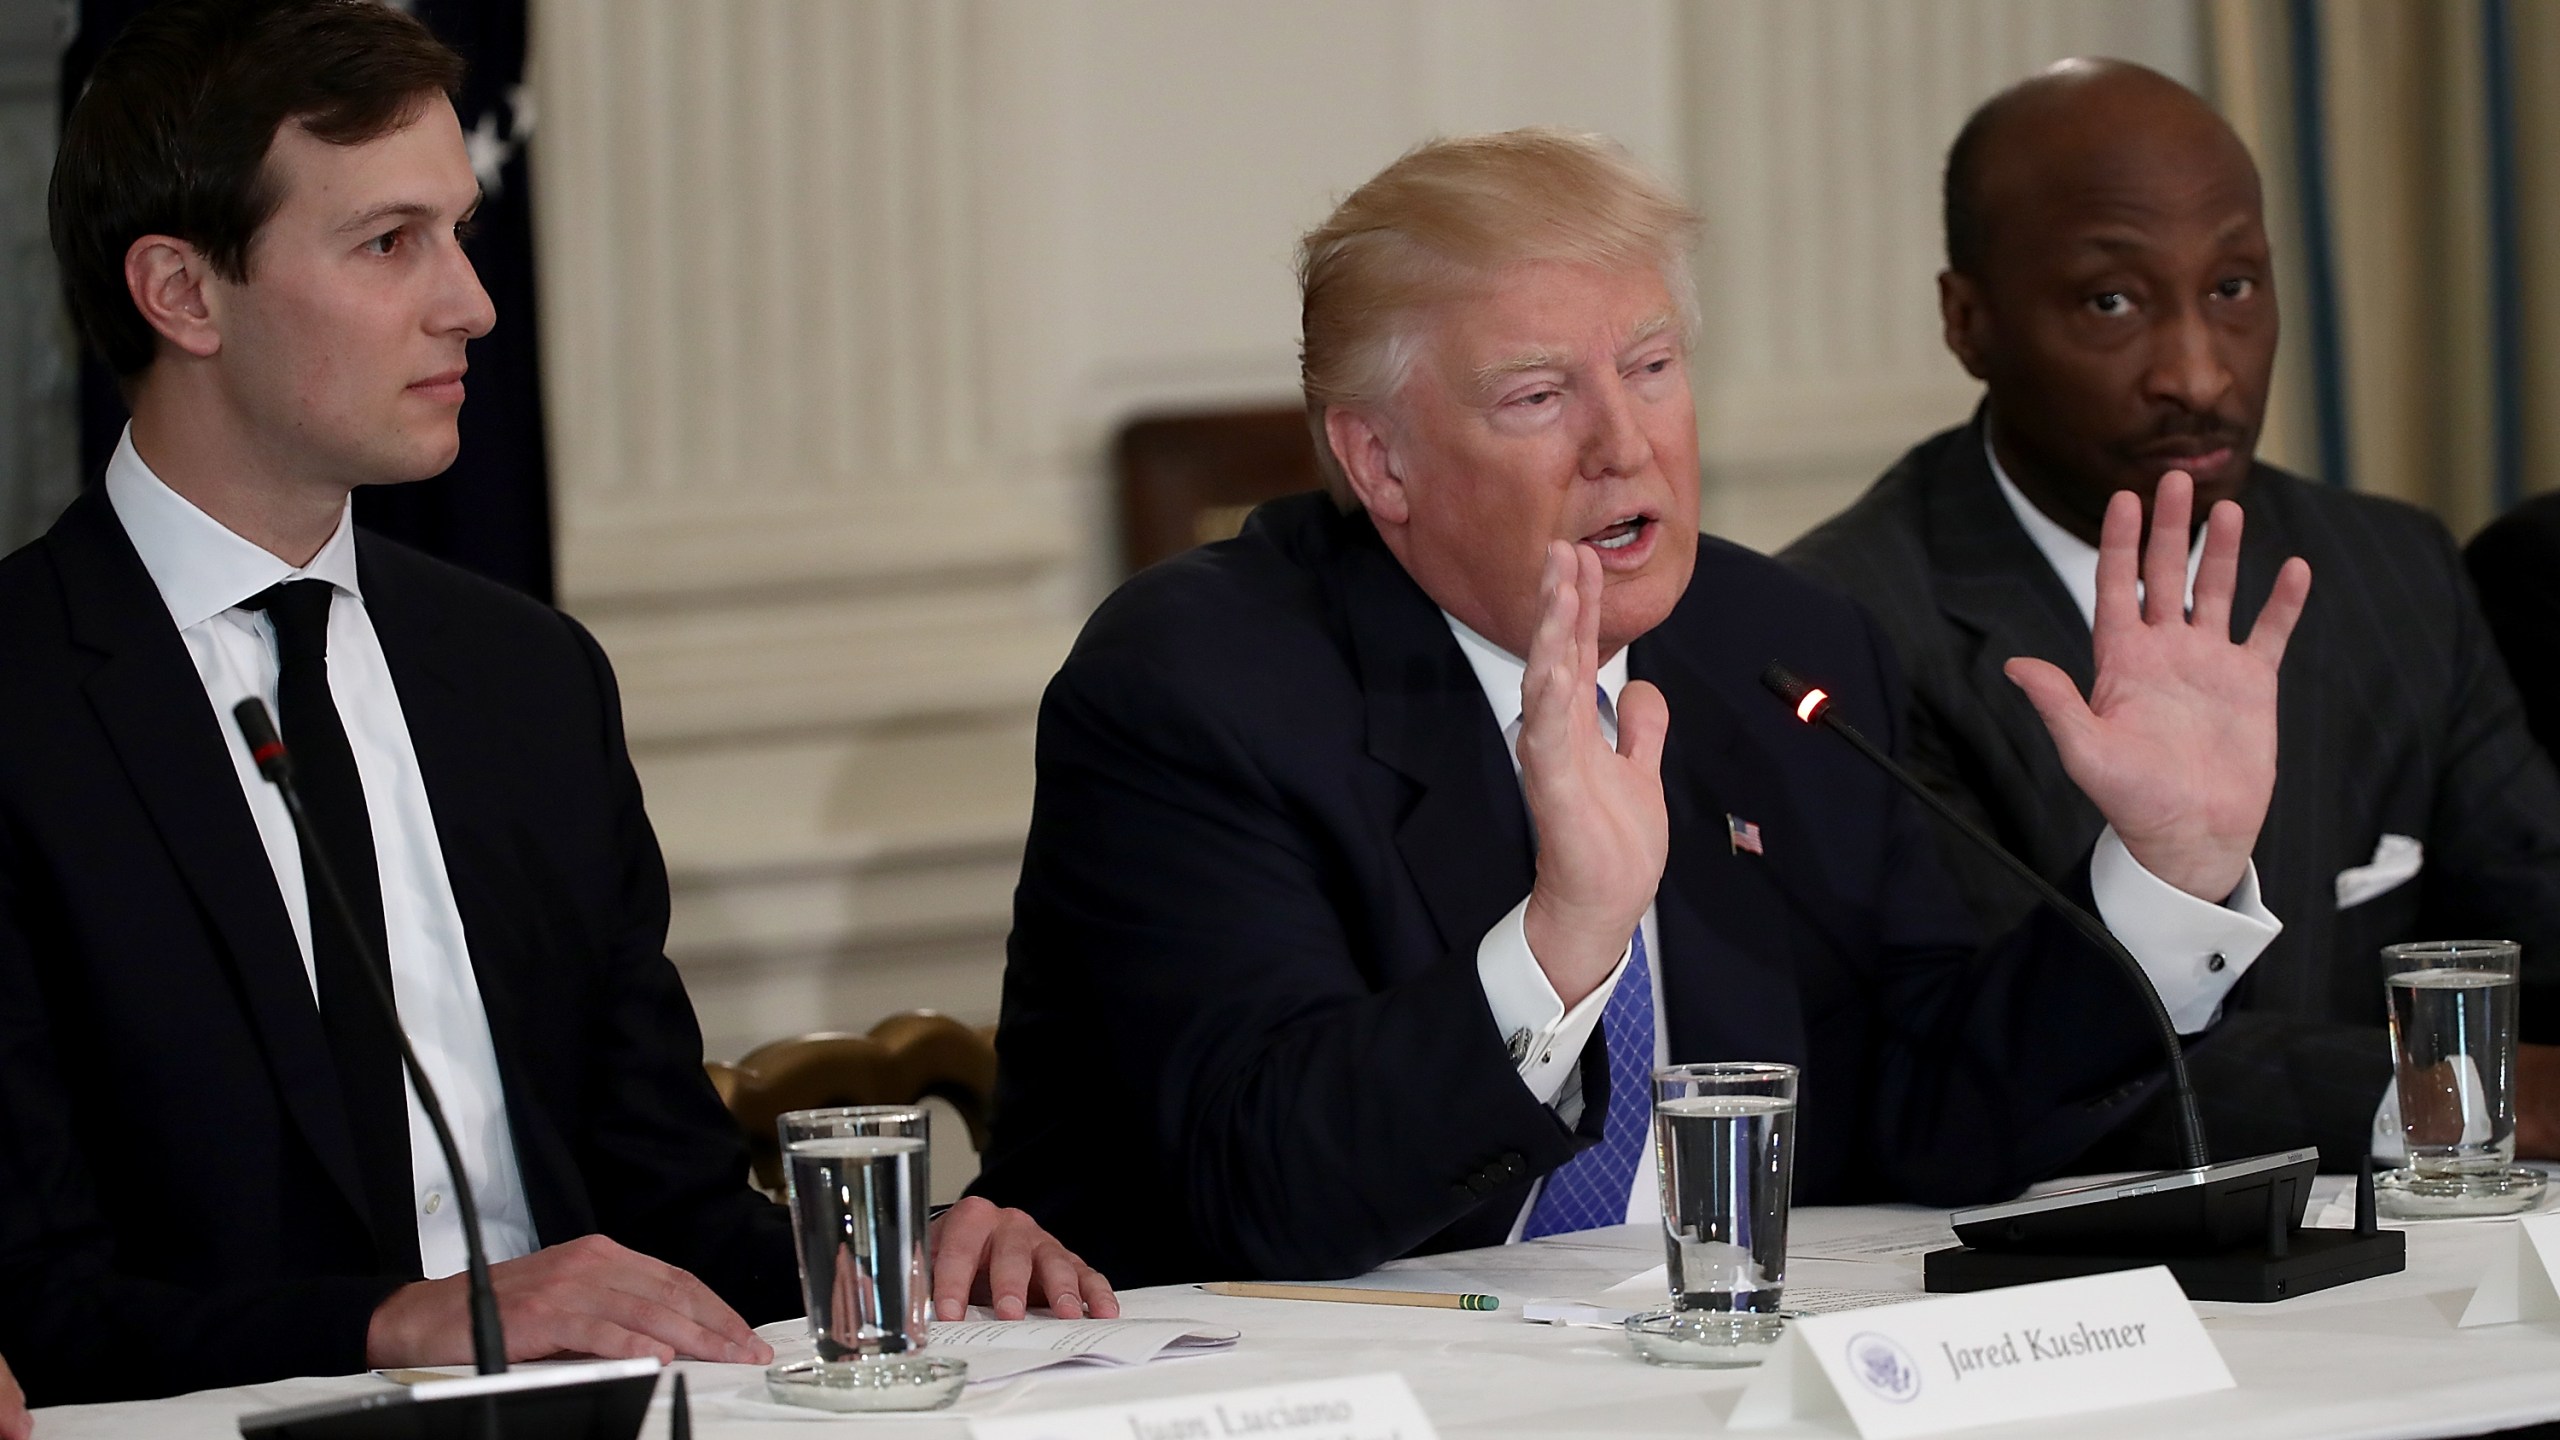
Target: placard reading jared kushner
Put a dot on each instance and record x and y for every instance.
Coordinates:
(2061, 1348)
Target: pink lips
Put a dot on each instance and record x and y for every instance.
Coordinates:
(446, 386)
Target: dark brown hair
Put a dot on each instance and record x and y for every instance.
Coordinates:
(171, 135)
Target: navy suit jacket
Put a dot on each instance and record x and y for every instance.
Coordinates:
(1243, 1032)
(179, 1204)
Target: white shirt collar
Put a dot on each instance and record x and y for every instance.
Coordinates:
(201, 567)
(1500, 672)
(2074, 560)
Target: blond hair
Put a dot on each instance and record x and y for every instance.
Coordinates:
(1438, 222)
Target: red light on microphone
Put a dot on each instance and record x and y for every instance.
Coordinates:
(1811, 705)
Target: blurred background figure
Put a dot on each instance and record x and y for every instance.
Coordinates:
(853, 315)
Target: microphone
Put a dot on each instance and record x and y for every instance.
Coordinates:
(2227, 1231)
(603, 1399)
(275, 763)
(1813, 706)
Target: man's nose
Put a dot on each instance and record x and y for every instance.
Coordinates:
(2188, 367)
(466, 308)
(1617, 443)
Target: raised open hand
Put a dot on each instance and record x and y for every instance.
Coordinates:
(2176, 744)
(1603, 833)
(2177, 741)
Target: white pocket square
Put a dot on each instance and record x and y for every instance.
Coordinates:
(2396, 860)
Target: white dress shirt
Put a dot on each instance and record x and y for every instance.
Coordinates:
(2174, 936)
(204, 572)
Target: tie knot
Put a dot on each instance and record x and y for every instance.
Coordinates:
(300, 611)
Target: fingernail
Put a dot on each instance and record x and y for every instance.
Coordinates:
(948, 1309)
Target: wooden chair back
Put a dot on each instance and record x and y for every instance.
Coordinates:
(906, 1059)
(1189, 480)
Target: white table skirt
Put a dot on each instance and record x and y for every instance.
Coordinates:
(2370, 1361)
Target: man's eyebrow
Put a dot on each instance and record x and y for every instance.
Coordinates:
(1650, 330)
(1540, 358)
(404, 211)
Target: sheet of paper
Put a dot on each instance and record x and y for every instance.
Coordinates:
(1893, 1242)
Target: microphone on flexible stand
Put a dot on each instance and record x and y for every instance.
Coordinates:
(2227, 1231)
(584, 1400)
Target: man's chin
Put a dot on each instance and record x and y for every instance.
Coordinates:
(1631, 608)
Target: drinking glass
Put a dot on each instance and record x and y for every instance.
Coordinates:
(2453, 1054)
(859, 1184)
(1724, 1143)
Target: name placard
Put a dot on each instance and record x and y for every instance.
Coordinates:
(2064, 1347)
(2519, 1283)
(1362, 1407)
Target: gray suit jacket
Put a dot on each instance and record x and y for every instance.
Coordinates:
(2396, 717)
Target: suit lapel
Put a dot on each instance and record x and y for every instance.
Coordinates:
(151, 704)
(431, 669)
(1728, 987)
(2003, 597)
(1465, 838)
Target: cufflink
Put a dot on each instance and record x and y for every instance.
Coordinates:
(1518, 1045)
(2217, 964)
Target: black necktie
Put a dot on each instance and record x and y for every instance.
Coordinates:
(361, 1038)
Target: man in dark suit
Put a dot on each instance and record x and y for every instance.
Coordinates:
(2108, 280)
(212, 1168)
(1338, 994)
(2515, 562)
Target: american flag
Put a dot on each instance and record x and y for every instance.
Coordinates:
(1746, 836)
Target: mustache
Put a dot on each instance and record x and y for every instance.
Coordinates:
(2189, 434)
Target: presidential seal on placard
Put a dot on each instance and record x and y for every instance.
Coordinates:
(1885, 1368)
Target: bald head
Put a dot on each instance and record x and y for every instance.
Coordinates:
(2076, 125)
(2108, 281)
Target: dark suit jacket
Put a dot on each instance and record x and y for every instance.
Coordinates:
(179, 1205)
(1243, 1032)
(2395, 718)
(2516, 564)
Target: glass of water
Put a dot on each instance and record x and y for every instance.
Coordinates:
(859, 1186)
(2453, 1052)
(1724, 1142)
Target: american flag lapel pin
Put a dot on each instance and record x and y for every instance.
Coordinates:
(1745, 835)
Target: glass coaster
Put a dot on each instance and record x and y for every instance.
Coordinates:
(1716, 1339)
(884, 1382)
(2407, 1195)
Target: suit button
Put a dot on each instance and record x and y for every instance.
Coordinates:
(1513, 1167)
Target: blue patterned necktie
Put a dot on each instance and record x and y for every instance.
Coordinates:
(1591, 1189)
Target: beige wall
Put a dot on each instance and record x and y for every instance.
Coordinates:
(845, 297)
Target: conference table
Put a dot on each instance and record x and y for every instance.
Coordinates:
(2375, 1360)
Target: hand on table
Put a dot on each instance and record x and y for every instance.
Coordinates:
(2176, 744)
(1002, 1259)
(1603, 833)
(15, 1422)
(589, 1296)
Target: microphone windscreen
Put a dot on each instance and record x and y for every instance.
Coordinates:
(1784, 683)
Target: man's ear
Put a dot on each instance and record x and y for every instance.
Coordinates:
(1361, 447)
(168, 280)
(1964, 317)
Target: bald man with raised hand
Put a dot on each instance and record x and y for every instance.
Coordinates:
(2109, 280)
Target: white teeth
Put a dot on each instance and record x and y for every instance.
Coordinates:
(1634, 527)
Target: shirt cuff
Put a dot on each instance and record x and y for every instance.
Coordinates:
(2193, 950)
(1545, 1038)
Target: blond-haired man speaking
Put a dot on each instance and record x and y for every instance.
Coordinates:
(1381, 852)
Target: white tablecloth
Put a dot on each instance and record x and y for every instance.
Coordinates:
(2368, 1361)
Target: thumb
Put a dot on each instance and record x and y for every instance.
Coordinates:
(1644, 719)
(2066, 716)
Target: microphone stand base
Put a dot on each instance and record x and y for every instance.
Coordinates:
(2312, 1260)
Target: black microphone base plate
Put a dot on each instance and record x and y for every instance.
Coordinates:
(523, 1404)
(2314, 1260)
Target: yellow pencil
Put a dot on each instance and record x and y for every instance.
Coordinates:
(1427, 1299)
